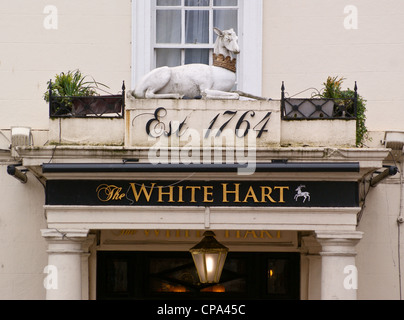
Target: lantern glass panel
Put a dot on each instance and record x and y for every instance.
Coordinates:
(212, 260)
(200, 265)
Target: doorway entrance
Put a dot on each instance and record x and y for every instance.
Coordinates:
(128, 275)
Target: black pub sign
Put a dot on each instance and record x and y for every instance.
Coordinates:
(202, 193)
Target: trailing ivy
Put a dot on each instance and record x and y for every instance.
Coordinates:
(344, 105)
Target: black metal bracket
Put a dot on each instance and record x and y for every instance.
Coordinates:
(388, 172)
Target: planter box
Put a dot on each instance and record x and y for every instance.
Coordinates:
(87, 131)
(308, 109)
(97, 105)
(319, 133)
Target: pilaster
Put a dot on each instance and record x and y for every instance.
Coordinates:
(311, 266)
(65, 250)
(339, 276)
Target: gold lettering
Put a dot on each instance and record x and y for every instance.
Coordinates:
(206, 193)
(107, 193)
(266, 193)
(127, 232)
(235, 192)
(118, 195)
(267, 233)
(142, 190)
(250, 232)
(232, 234)
(156, 232)
(193, 188)
(169, 193)
(281, 200)
(180, 188)
(250, 194)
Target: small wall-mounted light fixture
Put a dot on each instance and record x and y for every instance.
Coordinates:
(21, 136)
(12, 170)
(209, 257)
(394, 140)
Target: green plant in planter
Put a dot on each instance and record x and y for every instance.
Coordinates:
(71, 84)
(344, 104)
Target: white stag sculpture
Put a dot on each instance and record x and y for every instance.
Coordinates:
(192, 80)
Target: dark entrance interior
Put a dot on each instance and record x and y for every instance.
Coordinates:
(171, 275)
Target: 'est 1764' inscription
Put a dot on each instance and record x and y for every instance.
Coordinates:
(239, 123)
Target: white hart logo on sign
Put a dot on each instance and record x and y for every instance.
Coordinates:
(302, 194)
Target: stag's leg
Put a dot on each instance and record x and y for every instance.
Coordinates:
(152, 83)
(150, 94)
(222, 95)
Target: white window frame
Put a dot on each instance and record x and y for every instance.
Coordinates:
(250, 39)
(183, 45)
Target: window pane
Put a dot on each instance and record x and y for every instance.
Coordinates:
(168, 28)
(172, 275)
(277, 276)
(197, 3)
(222, 3)
(178, 275)
(168, 2)
(117, 276)
(197, 26)
(197, 56)
(168, 57)
(191, 26)
(225, 19)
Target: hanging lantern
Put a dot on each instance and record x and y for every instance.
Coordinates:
(209, 257)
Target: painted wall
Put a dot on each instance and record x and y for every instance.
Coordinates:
(23, 254)
(92, 35)
(306, 41)
(378, 251)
